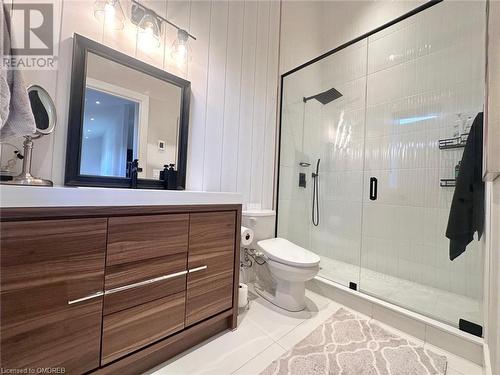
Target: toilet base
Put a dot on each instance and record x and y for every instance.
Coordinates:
(290, 296)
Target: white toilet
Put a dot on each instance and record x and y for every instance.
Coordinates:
(290, 265)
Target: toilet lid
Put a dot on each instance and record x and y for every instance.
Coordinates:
(283, 251)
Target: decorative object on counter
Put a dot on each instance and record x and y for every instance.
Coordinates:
(7, 169)
(134, 172)
(16, 117)
(117, 104)
(44, 113)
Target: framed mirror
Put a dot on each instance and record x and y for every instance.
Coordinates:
(122, 109)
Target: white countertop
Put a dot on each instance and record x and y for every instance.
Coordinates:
(58, 196)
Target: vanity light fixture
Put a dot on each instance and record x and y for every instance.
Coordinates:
(149, 24)
(110, 13)
(149, 31)
(180, 47)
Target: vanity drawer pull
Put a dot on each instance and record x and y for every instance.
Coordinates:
(145, 282)
(198, 269)
(90, 296)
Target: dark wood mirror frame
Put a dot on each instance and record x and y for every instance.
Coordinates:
(81, 47)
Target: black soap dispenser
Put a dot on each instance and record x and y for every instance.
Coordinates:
(171, 177)
(164, 176)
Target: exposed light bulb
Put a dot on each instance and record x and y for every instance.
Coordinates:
(180, 48)
(149, 33)
(110, 13)
(147, 40)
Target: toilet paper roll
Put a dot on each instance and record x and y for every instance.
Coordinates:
(243, 295)
(246, 236)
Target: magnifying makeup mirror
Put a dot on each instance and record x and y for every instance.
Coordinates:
(44, 111)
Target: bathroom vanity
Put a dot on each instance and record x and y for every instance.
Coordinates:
(114, 288)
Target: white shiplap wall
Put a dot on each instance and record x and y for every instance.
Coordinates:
(234, 80)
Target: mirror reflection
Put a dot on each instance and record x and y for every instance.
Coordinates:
(127, 115)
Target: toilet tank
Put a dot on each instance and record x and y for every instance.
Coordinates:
(262, 223)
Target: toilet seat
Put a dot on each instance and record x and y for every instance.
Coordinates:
(286, 252)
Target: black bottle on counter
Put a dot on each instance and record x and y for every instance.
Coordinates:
(164, 176)
(171, 178)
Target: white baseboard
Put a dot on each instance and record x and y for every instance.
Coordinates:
(487, 360)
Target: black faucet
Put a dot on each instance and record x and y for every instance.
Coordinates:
(134, 171)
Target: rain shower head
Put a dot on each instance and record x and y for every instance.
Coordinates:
(325, 97)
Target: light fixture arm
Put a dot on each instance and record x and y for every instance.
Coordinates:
(163, 19)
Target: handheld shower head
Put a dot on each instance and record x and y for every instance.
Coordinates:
(317, 169)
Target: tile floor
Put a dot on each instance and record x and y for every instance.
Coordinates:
(435, 303)
(264, 333)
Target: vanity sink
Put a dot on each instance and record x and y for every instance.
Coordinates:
(28, 196)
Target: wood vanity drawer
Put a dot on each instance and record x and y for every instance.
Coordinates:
(132, 329)
(210, 264)
(136, 238)
(131, 284)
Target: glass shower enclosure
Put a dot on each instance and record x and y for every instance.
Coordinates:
(370, 138)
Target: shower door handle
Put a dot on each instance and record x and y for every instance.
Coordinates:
(373, 188)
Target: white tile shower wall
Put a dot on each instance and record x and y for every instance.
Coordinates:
(234, 76)
(430, 67)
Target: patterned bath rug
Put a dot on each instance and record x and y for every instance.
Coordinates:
(346, 344)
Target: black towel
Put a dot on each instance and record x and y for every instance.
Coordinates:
(467, 206)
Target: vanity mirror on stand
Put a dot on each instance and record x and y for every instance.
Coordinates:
(128, 121)
(44, 111)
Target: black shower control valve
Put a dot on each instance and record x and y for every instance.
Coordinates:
(302, 180)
